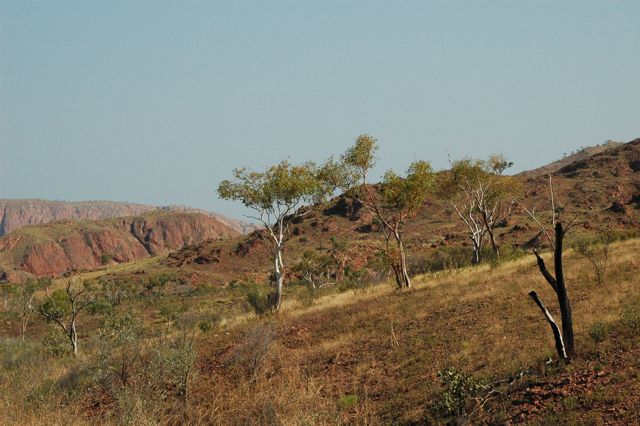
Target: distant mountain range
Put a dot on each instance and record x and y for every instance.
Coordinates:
(17, 213)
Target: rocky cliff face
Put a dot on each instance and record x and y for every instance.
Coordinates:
(15, 214)
(60, 247)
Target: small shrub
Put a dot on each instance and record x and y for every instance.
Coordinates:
(507, 254)
(55, 342)
(156, 281)
(308, 296)
(259, 300)
(599, 331)
(445, 258)
(105, 259)
(250, 354)
(100, 306)
(458, 389)
(354, 280)
(596, 252)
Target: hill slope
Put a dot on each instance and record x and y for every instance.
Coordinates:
(370, 357)
(602, 191)
(583, 154)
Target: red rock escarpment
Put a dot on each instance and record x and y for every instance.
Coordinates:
(15, 214)
(64, 247)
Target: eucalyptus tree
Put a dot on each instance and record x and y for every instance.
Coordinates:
(400, 198)
(481, 198)
(276, 195)
(63, 308)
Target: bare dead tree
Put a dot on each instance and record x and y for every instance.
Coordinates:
(479, 190)
(477, 230)
(564, 340)
(64, 310)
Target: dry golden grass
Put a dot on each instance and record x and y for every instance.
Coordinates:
(478, 319)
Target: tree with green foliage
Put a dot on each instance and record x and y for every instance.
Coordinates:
(481, 197)
(400, 198)
(276, 195)
(63, 308)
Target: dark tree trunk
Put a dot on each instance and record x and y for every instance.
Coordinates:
(496, 250)
(561, 291)
(559, 287)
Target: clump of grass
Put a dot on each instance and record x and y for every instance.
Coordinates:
(347, 401)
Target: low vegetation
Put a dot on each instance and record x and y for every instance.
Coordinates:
(377, 356)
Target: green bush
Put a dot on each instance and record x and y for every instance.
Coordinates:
(55, 342)
(160, 280)
(258, 300)
(100, 306)
(459, 388)
(57, 305)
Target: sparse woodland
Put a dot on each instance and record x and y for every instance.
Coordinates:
(349, 327)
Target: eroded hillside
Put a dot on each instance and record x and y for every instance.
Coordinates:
(71, 246)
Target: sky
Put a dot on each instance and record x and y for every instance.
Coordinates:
(156, 102)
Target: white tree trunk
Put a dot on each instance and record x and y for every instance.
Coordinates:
(279, 278)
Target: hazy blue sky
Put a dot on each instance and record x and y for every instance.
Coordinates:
(156, 102)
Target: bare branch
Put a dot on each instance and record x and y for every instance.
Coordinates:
(545, 272)
(554, 327)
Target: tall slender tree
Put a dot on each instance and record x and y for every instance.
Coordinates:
(276, 195)
(399, 199)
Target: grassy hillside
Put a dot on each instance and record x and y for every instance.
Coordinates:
(369, 356)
